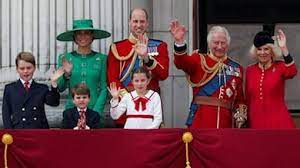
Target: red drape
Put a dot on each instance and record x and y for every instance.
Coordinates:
(163, 148)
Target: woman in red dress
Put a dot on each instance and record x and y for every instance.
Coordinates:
(265, 82)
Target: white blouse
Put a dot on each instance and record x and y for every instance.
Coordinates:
(150, 118)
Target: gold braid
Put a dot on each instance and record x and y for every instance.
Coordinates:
(208, 70)
(116, 54)
(205, 67)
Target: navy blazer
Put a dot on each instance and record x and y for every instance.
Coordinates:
(21, 109)
(71, 116)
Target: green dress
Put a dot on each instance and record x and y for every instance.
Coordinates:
(91, 70)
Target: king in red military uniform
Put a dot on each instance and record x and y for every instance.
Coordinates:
(216, 80)
(126, 55)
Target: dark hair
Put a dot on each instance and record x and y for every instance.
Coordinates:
(132, 10)
(141, 70)
(80, 89)
(262, 38)
(75, 32)
(25, 56)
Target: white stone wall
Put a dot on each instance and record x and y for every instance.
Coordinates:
(32, 25)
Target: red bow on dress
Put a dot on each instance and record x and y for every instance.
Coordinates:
(141, 100)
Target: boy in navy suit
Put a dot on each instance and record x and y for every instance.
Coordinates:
(80, 117)
(24, 100)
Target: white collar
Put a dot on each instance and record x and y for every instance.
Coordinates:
(147, 95)
(23, 82)
(78, 109)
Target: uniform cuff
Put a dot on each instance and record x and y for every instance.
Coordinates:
(288, 59)
(180, 48)
(114, 103)
(149, 63)
(54, 89)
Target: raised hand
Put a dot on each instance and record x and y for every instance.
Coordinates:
(67, 66)
(81, 124)
(141, 48)
(282, 42)
(281, 38)
(178, 31)
(78, 125)
(113, 90)
(55, 75)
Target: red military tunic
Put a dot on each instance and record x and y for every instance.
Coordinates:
(216, 79)
(265, 95)
(122, 60)
(122, 55)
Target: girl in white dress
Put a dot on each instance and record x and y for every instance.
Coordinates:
(142, 106)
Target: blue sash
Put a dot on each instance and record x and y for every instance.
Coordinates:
(152, 47)
(231, 69)
(127, 80)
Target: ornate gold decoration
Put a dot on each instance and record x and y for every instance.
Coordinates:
(122, 92)
(180, 53)
(7, 139)
(208, 70)
(133, 40)
(240, 116)
(215, 67)
(187, 137)
(116, 54)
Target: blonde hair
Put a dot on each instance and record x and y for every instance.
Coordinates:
(276, 51)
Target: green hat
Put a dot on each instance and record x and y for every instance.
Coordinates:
(84, 24)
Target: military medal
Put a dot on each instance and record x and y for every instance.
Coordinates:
(152, 51)
(229, 92)
(233, 84)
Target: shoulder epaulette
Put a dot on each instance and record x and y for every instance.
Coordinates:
(234, 62)
(114, 51)
(154, 42)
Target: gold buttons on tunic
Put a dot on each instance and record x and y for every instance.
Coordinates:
(221, 92)
(261, 84)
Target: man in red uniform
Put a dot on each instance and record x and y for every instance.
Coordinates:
(216, 80)
(126, 55)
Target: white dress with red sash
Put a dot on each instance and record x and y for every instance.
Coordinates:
(141, 113)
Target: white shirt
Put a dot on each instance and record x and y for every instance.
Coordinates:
(153, 108)
(23, 82)
(78, 109)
